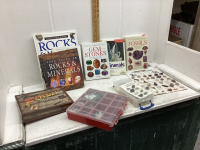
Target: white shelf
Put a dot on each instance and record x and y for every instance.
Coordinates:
(59, 125)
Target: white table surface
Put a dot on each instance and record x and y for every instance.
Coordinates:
(59, 125)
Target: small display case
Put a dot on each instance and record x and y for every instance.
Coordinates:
(98, 108)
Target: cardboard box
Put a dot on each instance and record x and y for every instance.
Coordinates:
(174, 39)
(182, 30)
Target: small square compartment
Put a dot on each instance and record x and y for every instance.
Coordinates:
(117, 111)
(91, 105)
(120, 105)
(110, 110)
(111, 96)
(101, 107)
(114, 103)
(84, 111)
(106, 101)
(81, 102)
(108, 117)
(119, 98)
(75, 108)
(96, 114)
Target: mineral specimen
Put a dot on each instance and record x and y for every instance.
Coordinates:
(137, 54)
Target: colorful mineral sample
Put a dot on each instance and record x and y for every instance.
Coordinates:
(137, 54)
(130, 49)
(130, 67)
(90, 74)
(90, 68)
(96, 63)
(104, 66)
(97, 71)
(104, 73)
(88, 62)
(130, 61)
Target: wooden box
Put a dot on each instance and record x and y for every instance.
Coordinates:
(38, 105)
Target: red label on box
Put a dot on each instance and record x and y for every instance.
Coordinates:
(119, 41)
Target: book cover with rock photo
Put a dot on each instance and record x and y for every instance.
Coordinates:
(62, 69)
(136, 52)
(116, 54)
(42, 104)
(95, 60)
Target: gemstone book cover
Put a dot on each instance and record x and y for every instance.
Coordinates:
(116, 54)
(136, 52)
(62, 69)
(44, 43)
(96, 60)
(42, 104)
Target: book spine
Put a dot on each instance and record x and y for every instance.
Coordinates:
(42, 70)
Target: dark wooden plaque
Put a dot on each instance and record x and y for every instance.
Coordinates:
(62, 69)
(38, 105)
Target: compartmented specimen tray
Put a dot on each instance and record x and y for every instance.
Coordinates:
(157, 81)
(99, 106)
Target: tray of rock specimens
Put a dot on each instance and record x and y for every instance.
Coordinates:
(98, 108)
(157, 81)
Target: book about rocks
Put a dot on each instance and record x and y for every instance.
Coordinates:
(95, 60)
(42, 104)
(44, 43)
(58, 49)
(136, 52)
(116, 55)
(62, 69)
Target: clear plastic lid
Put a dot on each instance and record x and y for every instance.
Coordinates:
(99, 106)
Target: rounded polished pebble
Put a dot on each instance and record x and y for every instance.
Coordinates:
(138, 76)
(145, 93)
(177, 84)
(153, 88)
(141, 91)
(155, 84)
(133, 86)
(168, 79)
(161, 73)
(156, 91)
(132, 90)
(133, 77)
(128, 89)
(169, 89)
(147, 88)
(144, 76)
(136, 88)
(165, 85)
(145, 82)
(136, 79)
(141, 95)
(182, 87)
(162, 79)
(156, 74)
(173, 81)
(142, 86)
(175, 89)
(147, 78)
(152, 77)
(149, 75)
(161, 82)
(171, 85)
(142, 79)
(164, 76)
(148, 84)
